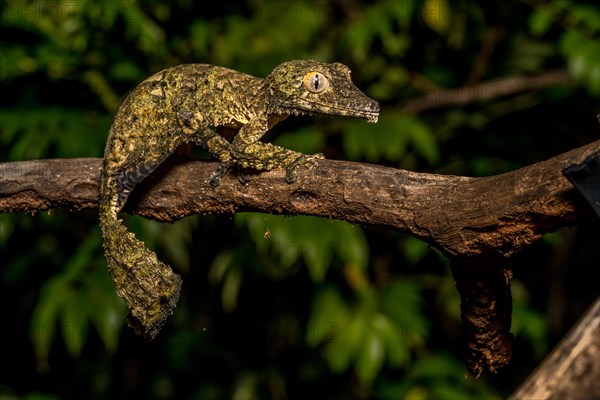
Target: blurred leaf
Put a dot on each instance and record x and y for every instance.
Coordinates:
(397, 349)
(371, 356)
(307, 140)
(6, 227)
(450, 382)
(329, 312)
(436, 14)
(528, 323)
(61, 128)
(74, 323)
(402, 302)
(127, 71)
(99, 85)
(43, 320)
(245, 387)
(527, 55)
(200, 37)
(584, 62)
(390, 139)
(227, 270)
(174, 238)
(231, 288)
(437, 365)
(365, 335)
(390, 81)
(340, 352)
(377, 23)
(65, 301)
(414, 249)
(316, 240)
(540, 21)
(106, 310)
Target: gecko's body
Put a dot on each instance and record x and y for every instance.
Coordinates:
(192, 103)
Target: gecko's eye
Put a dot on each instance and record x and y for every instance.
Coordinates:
(315, 82)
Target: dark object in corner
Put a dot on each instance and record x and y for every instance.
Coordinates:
(586, 178)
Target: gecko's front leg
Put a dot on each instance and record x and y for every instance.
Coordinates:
(248, 152)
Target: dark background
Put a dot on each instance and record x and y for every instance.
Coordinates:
(322, 308)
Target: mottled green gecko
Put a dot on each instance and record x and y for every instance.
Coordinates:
(193, 103)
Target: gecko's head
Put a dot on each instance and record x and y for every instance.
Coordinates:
(311, 87)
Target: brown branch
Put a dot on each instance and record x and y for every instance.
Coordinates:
(486, 90)
(477, 222)
(571, 371)
(465, 217)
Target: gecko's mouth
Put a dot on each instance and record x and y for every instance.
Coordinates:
(368, 111)
(371, 117)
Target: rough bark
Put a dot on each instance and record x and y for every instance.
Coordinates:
(462, 216)
(478, 222)
(486, 311)
(572, 370)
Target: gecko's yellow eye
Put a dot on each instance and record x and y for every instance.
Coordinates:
(315, 82)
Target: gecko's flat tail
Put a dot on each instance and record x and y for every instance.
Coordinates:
(149, 287)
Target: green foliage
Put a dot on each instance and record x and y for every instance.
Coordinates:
(392, 138)
(370, 328)
(174, 238)
(313, 240)
(272, 306)
(376, 327)
(306, 140)
(79, 296)
(454, 384)
(527, 323)
(379, 23)
(579, 42)
(20, 132)
(436, 376)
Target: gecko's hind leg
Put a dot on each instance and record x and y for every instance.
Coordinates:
(219, 148)
(219, 173)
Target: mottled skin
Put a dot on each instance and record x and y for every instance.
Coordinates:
(192, 103)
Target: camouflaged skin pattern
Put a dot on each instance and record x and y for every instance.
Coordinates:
(189, 103)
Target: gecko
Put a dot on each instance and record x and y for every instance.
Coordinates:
(196, 104)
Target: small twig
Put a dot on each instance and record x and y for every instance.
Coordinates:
(485, 91)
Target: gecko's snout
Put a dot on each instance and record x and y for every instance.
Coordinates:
(371, 111)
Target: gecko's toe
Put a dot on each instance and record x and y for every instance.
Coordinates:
(291, 171)
(215, 178)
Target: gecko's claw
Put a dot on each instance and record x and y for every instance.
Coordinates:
(222, 168)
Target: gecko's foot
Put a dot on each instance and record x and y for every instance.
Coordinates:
(242, 176)
(291, 171)
(215, 178)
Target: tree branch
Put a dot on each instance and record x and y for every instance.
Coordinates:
(465, 217)
(478, 222)
(571, 371)
(486, 90)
